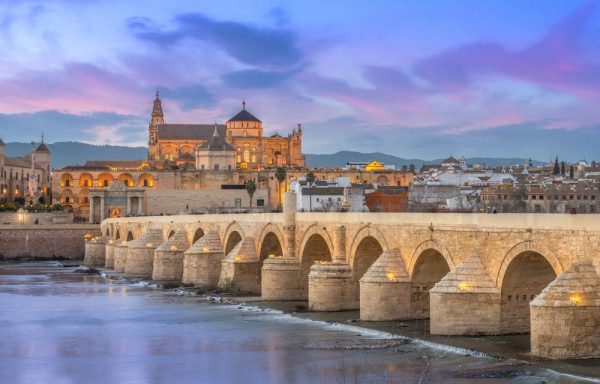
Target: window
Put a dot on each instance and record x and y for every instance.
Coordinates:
(216, 167)
(202, 167)
(238, 202)
(67, 199)
(245, 133)
(229, 167)
(145, 182)
(246, 152)
(106, 183)
(260, 202)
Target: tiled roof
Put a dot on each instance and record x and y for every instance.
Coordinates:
(114, 163)
(216, 143)
(42, 148)
(188, 131)
(244, 115)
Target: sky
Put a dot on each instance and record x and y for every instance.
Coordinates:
(416, 79)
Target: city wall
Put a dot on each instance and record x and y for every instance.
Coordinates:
(44, 241)
(170, 201)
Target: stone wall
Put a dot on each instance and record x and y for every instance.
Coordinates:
(42, 218)
(45, 241)
(172, 202)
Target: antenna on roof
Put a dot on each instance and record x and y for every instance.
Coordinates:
(157, 93)
(244, 105)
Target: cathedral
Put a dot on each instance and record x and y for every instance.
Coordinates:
(238, 144)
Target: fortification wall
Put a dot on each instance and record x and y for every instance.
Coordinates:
(45, 241)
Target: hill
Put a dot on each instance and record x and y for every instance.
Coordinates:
(73, 153)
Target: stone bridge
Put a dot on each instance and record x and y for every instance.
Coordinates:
(470, 274)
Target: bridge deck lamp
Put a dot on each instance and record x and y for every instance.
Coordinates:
(173, 248)
(391, 276)
(87, 237)
(463, 286)
(238, 258)
(149, 245)
(575, 298)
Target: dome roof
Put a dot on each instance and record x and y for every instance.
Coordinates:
(42, 148)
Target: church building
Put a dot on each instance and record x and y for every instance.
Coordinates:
(240, 139)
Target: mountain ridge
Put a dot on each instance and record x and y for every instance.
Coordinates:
(77, 153)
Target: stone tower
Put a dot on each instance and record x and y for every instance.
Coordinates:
(156, 119)
(43, 156)
(2, 148)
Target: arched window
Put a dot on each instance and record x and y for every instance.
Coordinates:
(239, 154)
(254, 154)
(245, 133)
(246, 152)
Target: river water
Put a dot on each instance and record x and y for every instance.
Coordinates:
(57, 326)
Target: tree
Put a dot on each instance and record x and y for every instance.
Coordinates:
(310, 178)
(250, 188)
(280, 175)
(412, 168)
(556, 170)
(572, 172)
(563, 170)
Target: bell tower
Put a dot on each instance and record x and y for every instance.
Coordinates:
(156, 119)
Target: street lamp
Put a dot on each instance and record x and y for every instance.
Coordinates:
(21, 216)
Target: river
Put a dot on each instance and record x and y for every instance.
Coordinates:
(58, 326)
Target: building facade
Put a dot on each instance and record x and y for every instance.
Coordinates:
(178, 143)
(26, 178)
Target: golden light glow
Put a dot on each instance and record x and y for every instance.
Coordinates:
(173, 248)
(575, 298)
(111, 242)
(391, 276)
(238, 258)
(205, 249)
(87, 236)
(149, 245)
(123, 242)
(463, 286)
(374, 166)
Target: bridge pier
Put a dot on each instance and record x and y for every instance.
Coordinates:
(168, 259)
(565, 317)
(140, 255)
(282, 280)
(281, 277)
(95, 251)
(240, 269)
(466, 301)
(202, 262)
(109, 255)
(385, 289)
(120, 256)
(331, 286)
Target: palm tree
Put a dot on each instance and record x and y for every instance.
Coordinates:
(280, 175)
(310, 178)
(250, 188)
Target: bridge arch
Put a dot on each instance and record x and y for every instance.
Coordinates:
(316, 245)
(129, 235)
(430, 245)
(526, 270)
(233, 235)
(118, 235)
(523, 247)
(366, 247)
(197, 234)
(274, 233)
(430, 262)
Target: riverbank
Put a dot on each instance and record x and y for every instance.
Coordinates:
(509, 353)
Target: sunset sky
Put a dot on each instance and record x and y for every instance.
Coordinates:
(409, 78)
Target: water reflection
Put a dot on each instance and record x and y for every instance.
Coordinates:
(57, 326)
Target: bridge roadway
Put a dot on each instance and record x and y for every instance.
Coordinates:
(471, 274)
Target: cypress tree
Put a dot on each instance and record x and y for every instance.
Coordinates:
(556, 167)
(563, 170)
(572, 172)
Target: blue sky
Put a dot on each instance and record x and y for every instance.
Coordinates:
(410, 78)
